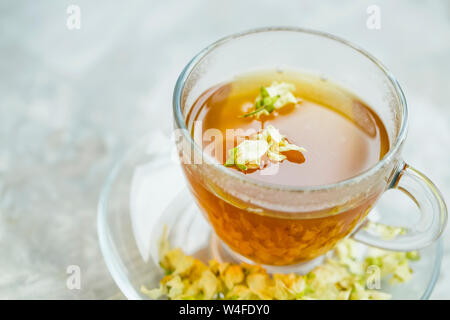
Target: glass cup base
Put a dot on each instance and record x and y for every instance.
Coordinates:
(222, 253)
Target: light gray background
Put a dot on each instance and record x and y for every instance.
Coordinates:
(71, 102)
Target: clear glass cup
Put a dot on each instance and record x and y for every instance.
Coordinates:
(284, 225)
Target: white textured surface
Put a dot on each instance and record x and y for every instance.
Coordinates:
(73, 101)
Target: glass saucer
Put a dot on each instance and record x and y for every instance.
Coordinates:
(146, 191)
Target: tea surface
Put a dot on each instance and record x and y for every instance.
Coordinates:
(342, 135)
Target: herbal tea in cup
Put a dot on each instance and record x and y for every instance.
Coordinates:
(285, 163)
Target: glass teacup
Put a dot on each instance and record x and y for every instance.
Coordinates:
(284, 225)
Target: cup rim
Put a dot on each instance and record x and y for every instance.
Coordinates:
(180, 122)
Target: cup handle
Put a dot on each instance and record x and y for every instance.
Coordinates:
(433, 214)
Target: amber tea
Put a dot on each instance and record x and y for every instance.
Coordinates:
(287, 129)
